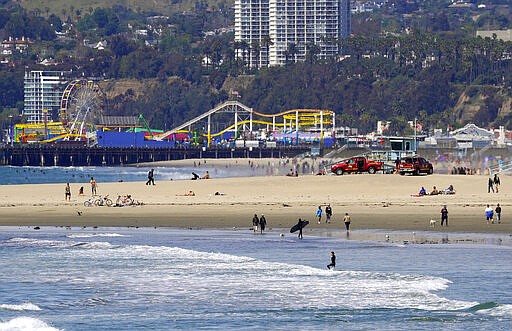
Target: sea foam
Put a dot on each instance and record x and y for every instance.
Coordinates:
(25, 323)
(20, 307)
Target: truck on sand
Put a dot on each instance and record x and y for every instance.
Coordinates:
(358, 164)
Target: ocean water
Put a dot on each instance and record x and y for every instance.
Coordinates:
(43, 175)
(192, 279)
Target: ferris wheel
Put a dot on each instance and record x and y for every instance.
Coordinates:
(82, 103)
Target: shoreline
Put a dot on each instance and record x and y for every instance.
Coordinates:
(373, 201)
(382, 236)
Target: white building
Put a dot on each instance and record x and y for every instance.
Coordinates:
(272, 32)
(43, 90)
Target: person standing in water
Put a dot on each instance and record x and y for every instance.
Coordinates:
(333, 261)
(263, 223)
(255, 222)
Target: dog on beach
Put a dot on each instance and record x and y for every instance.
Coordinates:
(433, 223)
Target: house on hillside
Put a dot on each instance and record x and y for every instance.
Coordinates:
(12, 45)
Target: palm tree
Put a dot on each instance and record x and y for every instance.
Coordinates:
(266, 42)
(291, 52)
(255, 54)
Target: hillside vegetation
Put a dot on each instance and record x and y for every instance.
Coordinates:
(432, 69)
(64, 8)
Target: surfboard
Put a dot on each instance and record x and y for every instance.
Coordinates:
(297, 226)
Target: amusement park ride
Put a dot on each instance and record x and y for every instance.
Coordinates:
(83, 103)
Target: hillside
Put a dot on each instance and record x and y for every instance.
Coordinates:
(69, 8)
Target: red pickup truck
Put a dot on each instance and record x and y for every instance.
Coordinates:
(415, 165)
(356, 164)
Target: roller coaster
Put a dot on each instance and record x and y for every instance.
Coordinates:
(245, 120)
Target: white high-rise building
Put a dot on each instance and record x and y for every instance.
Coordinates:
(43, 91)
(274, 32)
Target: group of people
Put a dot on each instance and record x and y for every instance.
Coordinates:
(126, 200)
(328, 216)
(493, 184)
(328, 213)
(490, 213)
(67, 191)
(292, 173)
(259, 222)
(449, 190)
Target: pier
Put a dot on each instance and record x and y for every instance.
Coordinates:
(72, 155)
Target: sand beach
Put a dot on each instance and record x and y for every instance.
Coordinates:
(380, 201)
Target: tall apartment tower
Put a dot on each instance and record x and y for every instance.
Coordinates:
(274, 32)
(43, 91)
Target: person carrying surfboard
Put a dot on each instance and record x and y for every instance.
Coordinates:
(301, 226)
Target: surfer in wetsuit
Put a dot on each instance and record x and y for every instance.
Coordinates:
(333, 261)
(301, 225)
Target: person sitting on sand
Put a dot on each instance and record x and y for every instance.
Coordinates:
(219, 193)
(188, 194)
(206, 175)
(434, 191)
(449, 190)
(422, 191)
(291, 173)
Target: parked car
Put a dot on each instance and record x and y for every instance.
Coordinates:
(356, 164)
(415, 165)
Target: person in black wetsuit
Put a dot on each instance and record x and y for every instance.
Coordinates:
(333, 261)
(300, 228)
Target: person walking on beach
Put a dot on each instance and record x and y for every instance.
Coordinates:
(151, 178)
(496, 182)
(328, 213)
(333, 261)
(498, 213)
(490, 185)
(319, 214)
(489, 214)
(347, 221)
(93, 186)
(255, 222)
(444, 215)
(263, 223)
(67, 192)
